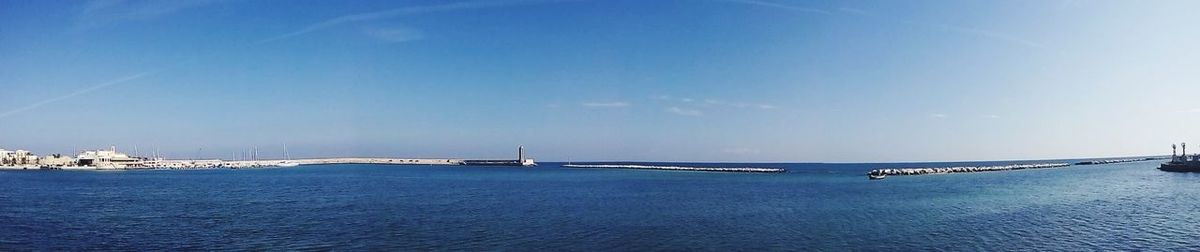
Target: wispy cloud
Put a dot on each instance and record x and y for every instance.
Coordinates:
(990, 116)
(779, 6)
(685, 112)
(617, 104)
(714, 103)
(74, 94)
(938, 115)
(397, 12)
(673, 99)
(395, 34)
(711, 102)
(99, 13)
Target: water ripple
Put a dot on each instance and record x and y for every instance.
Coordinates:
(815, 207)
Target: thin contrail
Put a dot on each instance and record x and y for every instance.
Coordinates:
(477, 4)
(76, 93)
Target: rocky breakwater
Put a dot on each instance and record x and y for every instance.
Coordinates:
(959, 169)
(1114, 161)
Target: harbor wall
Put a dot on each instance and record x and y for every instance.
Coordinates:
(960, 169)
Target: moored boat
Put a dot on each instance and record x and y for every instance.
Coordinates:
(1192, 166)
(876, 174)
(1181, 163)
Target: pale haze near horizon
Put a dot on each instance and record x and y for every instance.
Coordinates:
(762, 81)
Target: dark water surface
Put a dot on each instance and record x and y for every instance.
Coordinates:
(1127, 206)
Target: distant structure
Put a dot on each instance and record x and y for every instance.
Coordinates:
(23, 159)
(108, 159)
(56, 160)
(111, 159)
(521, 157)
(520, 161)
(1181, 163)
(17, 158)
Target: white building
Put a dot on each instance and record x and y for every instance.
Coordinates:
(17, 157)
(108, 159)
(57, 160)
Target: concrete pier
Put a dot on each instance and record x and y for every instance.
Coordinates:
(389, 161)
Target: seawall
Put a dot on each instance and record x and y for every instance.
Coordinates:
(1114, 161)
(391, 161)
(961, 169)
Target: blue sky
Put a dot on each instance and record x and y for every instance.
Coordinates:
(686, 80)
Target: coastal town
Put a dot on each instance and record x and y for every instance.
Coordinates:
(111, 159)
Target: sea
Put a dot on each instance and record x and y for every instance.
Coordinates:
(812, 207)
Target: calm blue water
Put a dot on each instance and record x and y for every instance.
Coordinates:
(1127, 206)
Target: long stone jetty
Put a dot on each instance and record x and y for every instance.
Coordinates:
(395, 161)
(1114, 161)
(960, 169)
(679, 168)
(329, 161)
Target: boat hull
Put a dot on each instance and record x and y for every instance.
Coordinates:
(1180, 167)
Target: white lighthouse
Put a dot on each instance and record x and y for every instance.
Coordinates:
(521, 157)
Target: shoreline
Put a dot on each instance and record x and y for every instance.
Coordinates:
(187, 164)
